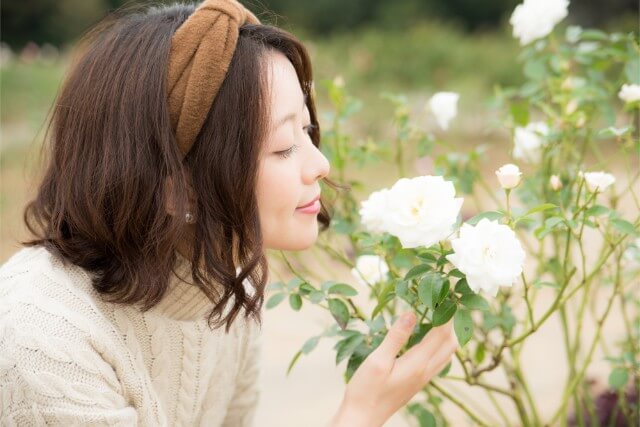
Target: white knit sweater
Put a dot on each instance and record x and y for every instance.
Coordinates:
(67, 358)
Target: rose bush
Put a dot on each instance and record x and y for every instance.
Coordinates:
(408, 246)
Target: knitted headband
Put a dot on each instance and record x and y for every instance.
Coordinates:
(201, 51)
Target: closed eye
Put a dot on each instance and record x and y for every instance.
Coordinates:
(286, 153)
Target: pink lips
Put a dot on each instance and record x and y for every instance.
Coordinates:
(312, 207)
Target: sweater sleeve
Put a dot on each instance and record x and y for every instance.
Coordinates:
(242, 409)
(50, 374)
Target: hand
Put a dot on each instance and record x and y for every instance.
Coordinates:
(382, 384)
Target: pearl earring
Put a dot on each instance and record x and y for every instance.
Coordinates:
(189, 218)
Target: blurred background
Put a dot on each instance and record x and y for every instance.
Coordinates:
(416, 47)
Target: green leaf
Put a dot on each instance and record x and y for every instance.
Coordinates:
(316, 297)
(463, 325)
(624, 226)
(520, 113)
(479, 353)
(343, 289)
(490, 215)
(444, 312)
(430, 289)
(293, 361)
(339, 311)
(403, 291)
(618, 378)
(416, 271)
(385, 296)
(295, 301)
(328, 284)
(474, 302)
(416, 337)
(347, 346)
(540, 208)
(597, 210)
(310, 344)
(275, 286)
(457, 273)
(275, 299)
(424, 417)
(294, 283)
(462, 287)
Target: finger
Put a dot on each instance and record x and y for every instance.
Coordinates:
(417, 356)
(396, 338)
(442, 358)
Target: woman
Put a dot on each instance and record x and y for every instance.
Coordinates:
(182, 144)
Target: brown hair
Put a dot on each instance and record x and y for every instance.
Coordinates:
(102, 202)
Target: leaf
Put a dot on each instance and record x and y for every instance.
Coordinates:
(295, 301)
(540, 208)
(418, 270)
(424, 417)
(624, 226)
(490, 215)
(474, 302)
(520, 113)
(479, 353)
(343, 289)
(294, 283)
(444, 312)
(385, 296)
(310, 344)
(347, 346)
(275, 286)
(403, 291)
(618, 378)
(463, 326)
(417, 336)
(597, 210)
(339, 311)
(276, 299)
(316, 297)
(430, 289)
(462, 287)
(293, 361)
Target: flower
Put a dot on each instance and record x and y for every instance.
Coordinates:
(529, 140)
(370, 269)
(629, 93)
(509, 176)
(598, 181)
(374, 210)
(489, 254)
(420, 211)
(555, 182)
(534, 19)
(444, 106)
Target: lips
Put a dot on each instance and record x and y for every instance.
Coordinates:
(310, 203)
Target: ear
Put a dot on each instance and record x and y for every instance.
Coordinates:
(170, 201)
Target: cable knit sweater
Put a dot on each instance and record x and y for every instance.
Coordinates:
(67, 358)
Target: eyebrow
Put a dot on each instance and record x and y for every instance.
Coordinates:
(291, 116)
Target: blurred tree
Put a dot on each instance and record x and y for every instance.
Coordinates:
(61, 21)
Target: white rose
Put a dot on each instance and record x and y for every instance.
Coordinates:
(629, 93)
(370, 269)
(598, 181)
(529, 141)
(534, 19)
(489, 254)
(422, 210)
(444, 106)
(374, 210)
(555, 182)
(509, 176)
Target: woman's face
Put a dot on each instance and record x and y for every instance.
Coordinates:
(290, 165)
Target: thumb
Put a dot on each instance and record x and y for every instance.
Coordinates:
(397, 336)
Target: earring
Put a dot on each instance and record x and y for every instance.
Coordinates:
(189, 218)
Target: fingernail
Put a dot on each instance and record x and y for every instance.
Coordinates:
(407, 319)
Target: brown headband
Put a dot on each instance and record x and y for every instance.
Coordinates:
(201, 51)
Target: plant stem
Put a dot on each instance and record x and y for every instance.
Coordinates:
(458, 403)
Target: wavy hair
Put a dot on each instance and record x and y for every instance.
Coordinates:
(111, 149)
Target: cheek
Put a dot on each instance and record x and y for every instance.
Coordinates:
(277, 193)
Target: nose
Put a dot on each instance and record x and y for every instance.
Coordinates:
(317, 166)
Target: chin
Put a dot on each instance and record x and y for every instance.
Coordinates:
(294, 241)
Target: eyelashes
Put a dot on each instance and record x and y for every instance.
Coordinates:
(289, 151)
